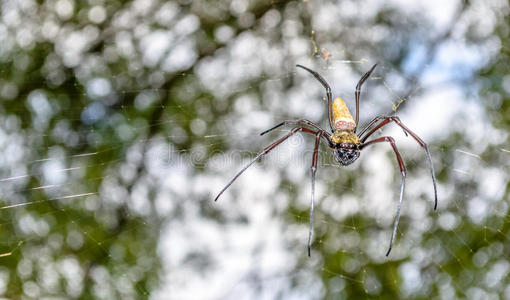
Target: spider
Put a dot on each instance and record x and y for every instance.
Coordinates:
(345, 143)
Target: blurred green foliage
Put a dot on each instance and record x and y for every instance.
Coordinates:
(114, 115)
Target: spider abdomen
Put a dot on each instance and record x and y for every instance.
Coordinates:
(342, 118)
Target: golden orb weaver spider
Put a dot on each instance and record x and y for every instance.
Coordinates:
(345, 143)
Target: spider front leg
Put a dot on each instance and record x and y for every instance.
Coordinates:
(358, 92)
(402, 171)
(264, 152)
(386, 120)
(328, 93)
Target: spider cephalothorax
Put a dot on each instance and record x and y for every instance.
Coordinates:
(346, 154)
(345, 143)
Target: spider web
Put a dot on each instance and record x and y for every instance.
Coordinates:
(355, 207)
(264, 222)
(62, 207)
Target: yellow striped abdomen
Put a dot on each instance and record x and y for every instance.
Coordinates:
(342, 118)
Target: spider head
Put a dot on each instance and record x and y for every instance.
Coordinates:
(346, 154)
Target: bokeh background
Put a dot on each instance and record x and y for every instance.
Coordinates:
(121, 120)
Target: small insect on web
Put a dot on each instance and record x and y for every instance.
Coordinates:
(345, 143)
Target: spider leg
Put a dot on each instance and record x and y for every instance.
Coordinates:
(301, 122)
(328, 93)
(264, 152)
(395, 119)
(375, 120)
(313, 170)
(358, 92)
(403, 172)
